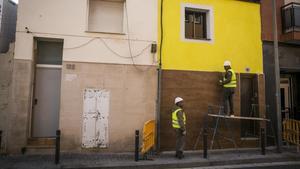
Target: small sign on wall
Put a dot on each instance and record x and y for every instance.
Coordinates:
(70, 77)
(95, 118)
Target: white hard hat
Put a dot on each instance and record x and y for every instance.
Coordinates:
(178, 99)
(227, 63)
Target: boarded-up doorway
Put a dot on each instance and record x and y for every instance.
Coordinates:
(249, 105)
(46, 96)
(95, 118)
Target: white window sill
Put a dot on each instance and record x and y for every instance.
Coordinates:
(209, 41)
(104, 32)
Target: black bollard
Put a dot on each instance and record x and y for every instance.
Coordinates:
(57, 147)
(0, 139)
(263, 141)
(205, 143)
(205, 134)
(137, 143)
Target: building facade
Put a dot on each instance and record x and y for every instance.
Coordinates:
(86, 68)
(197, 37)
(91, 71)
(8, 19)
(288, 19)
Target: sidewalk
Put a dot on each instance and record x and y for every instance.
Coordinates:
(164, 160)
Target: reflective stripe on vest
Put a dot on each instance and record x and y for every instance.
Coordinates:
(175, 122)
(232, 83)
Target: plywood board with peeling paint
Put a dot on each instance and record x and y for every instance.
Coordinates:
(95, 118)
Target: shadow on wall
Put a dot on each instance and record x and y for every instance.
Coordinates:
(6, 68)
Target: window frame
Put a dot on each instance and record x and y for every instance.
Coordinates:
(202, 21)
(124, 20)
(209, 22)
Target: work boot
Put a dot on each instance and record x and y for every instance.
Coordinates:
(180, 155)
(177, 154)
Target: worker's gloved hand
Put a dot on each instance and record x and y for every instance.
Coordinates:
(220, 82)
(184, 132)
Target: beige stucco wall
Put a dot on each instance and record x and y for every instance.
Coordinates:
(97, 65)
(67, 19)
(19, 106)
(132, 101)
(6, 68)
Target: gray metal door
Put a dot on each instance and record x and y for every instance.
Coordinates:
(46, 100)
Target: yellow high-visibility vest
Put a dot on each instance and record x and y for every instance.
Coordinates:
(232, 83)
(175, 122)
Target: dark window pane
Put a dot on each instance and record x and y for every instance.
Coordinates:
(189, 16)
(195, 24)
(198, 18)
(200, 26)
(189, 30)
(297, 16)
(49, 53)
(288, 18)
(199, 33)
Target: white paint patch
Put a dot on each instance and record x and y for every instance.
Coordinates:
(95, 118)
(70, 77)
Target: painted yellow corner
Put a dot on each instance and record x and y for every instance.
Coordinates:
(237, 37)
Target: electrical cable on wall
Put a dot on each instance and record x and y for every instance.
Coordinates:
(92, 40)
(113, 51)
(161, 33)
(159, 80)
(129, 43)
(79, 36)
(109, 48)
(82, 45)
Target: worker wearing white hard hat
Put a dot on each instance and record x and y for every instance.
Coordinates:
(227, 63)
(228, 82)
(178, 99)
(179, 124)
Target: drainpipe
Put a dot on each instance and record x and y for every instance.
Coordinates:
(277, 80)
(158, 102)
(159, 75)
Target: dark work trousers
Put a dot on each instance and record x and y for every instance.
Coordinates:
(228, 98)
(180, 140)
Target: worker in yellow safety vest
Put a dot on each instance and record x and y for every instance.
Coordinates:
(229, 84)
(179, 123)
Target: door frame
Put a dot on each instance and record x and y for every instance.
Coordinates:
(255, 92)
(287, 88)
(33, 78)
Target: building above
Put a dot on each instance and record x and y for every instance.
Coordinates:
(288, 20)
(291, 23)
(8, 19)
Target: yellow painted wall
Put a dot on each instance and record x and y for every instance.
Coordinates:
(237, 37)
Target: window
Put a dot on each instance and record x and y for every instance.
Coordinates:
(49, 51)
(197, 23)
(106, 16)
(291, 17)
